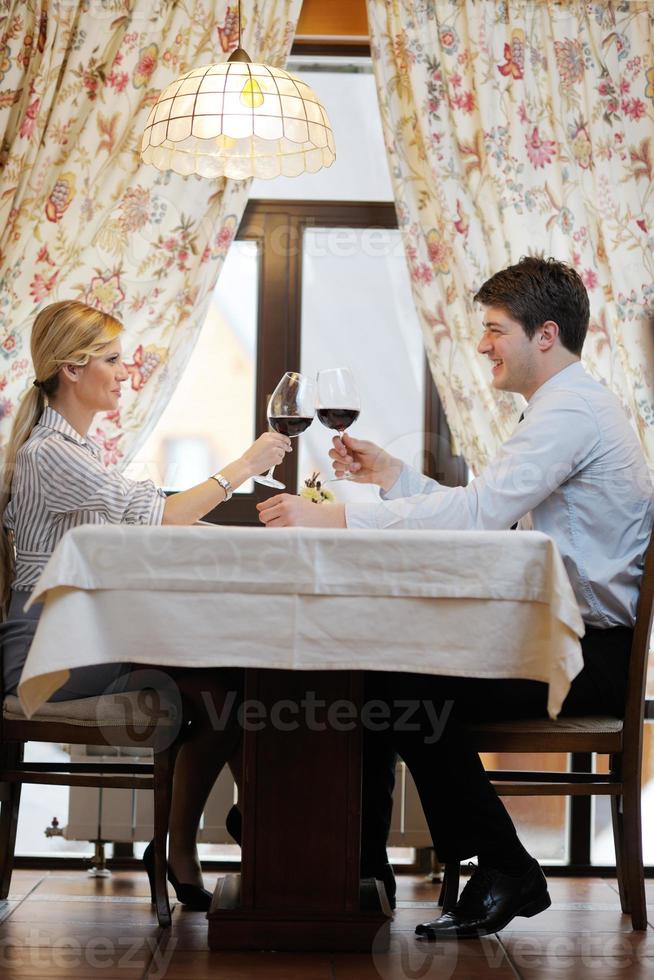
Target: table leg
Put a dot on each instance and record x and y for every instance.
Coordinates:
(299, 888)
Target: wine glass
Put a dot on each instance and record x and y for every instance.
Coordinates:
(338, 401)
(291, 410)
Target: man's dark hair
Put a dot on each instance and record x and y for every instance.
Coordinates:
(536, 290)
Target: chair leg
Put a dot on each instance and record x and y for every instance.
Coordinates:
(618, 843)
(449, 892)
(632, 853)
(12, 754)
(164, 764)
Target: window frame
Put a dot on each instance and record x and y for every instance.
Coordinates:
(278, 228)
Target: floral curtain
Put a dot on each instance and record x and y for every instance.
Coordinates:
(80, 216)
(518, 127)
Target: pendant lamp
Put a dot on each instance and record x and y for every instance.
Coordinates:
(238, 119)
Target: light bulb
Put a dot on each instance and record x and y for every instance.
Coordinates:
(251, 94)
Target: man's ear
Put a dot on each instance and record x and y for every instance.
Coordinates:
(547, 334)
(71, 372)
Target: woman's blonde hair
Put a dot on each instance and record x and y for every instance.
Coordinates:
(67, 332)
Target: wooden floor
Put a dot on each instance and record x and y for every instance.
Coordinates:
(63, 924)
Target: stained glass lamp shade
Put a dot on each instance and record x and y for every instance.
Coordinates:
(238, 119)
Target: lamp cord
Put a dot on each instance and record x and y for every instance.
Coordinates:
(239, 23)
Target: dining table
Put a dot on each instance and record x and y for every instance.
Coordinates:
(305, 612)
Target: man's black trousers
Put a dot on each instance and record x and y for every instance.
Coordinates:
(463, 811)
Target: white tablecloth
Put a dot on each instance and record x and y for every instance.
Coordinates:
(474, 604)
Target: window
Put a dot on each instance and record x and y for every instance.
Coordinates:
(357, 311)
(211, 417)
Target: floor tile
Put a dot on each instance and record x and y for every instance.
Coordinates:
(432, 961)
(182, 965)
(538, 948)
(7, 908)
(75, 961)
(85, 934)
(582, 890)
(77, 883)
(114, 910)
(416, 889)
(570, 920)
(23, 882)
(567, 969)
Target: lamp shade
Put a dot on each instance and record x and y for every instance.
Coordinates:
(238, 119)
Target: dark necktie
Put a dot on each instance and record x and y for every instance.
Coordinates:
(514, 527)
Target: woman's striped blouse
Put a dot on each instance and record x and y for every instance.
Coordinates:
(60, 482)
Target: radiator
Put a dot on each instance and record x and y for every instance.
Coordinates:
(125, 816)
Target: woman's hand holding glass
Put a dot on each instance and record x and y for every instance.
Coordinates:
(267, 451)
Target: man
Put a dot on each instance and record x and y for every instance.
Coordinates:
(574, 470)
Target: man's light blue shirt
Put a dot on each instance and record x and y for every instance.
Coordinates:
(574, 470)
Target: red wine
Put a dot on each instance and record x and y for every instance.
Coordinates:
(338, 418)
(289, 425)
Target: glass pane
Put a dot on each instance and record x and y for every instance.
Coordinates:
(360, 171)
(357, 311)
(40, 805)
(602, 850)
(210, 419)
(649, 689)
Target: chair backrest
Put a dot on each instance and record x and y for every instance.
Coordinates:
(637, 678)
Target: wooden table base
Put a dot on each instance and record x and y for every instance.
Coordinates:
(299, 888)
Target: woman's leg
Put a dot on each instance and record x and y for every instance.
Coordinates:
(211, 740)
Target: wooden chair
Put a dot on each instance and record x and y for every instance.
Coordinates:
(119, 720)
(621, 739)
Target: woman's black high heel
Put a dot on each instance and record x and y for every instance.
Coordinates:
(234, 824)
(192, 896)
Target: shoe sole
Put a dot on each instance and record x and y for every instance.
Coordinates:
(531, 908)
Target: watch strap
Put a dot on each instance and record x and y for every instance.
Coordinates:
(224, 483)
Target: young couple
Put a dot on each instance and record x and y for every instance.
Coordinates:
(573, 470)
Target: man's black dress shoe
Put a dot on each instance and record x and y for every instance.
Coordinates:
(488, 903)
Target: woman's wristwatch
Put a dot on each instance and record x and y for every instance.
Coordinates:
(224, 483)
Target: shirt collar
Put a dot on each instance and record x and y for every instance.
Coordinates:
(51, 419)
(558, 380)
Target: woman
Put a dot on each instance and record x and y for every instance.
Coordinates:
(53, 480)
